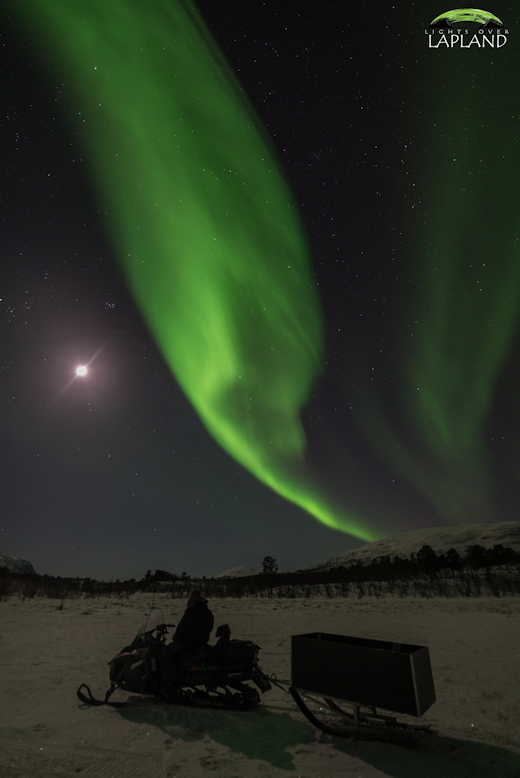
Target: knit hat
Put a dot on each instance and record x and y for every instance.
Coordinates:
(195, 597)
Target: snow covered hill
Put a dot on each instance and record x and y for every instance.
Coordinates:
(237, 572)
(17, 565)
(441, 538)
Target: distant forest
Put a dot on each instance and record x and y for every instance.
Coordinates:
(479, 571)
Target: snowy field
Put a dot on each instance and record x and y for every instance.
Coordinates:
(46, 653)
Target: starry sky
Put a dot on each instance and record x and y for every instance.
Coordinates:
(403, 163)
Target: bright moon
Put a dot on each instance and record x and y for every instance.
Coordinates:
(81, 371)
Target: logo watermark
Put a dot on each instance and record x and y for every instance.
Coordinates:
(484, 30)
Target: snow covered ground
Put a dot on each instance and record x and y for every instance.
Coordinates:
(47, 653)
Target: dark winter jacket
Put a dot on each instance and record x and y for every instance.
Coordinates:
(195, 626)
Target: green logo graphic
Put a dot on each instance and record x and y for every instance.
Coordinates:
(465, 15)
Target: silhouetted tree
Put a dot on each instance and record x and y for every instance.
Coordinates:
(453, 559)
(502, 556)
(162, 575)
(476, 556)
(269, 566)
(427, 559)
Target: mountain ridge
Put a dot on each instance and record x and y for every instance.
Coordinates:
(15, 564)
(441, 537)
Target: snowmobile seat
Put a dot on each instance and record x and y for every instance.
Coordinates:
(189, 658)
(223, 634)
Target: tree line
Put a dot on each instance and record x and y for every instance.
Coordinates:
(427, 570)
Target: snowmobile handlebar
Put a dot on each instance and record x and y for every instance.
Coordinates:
(162, 630)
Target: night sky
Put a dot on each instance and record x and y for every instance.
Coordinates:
(404, 163)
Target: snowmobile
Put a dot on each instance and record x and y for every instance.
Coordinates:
(213, 676)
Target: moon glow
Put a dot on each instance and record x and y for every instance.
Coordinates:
(81, 371)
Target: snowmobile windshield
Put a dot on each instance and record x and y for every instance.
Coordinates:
(153, 620)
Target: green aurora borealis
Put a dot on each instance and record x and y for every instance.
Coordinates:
(205, 227)
(455, 342)
(210, 240)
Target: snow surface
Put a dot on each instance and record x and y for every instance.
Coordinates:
(47, 653)
(240, 571)
(18, 565)
(441, 538)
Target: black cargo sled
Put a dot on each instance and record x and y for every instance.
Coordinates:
(338, 682)
(209, 677)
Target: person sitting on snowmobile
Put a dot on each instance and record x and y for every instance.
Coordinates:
(192, 633)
